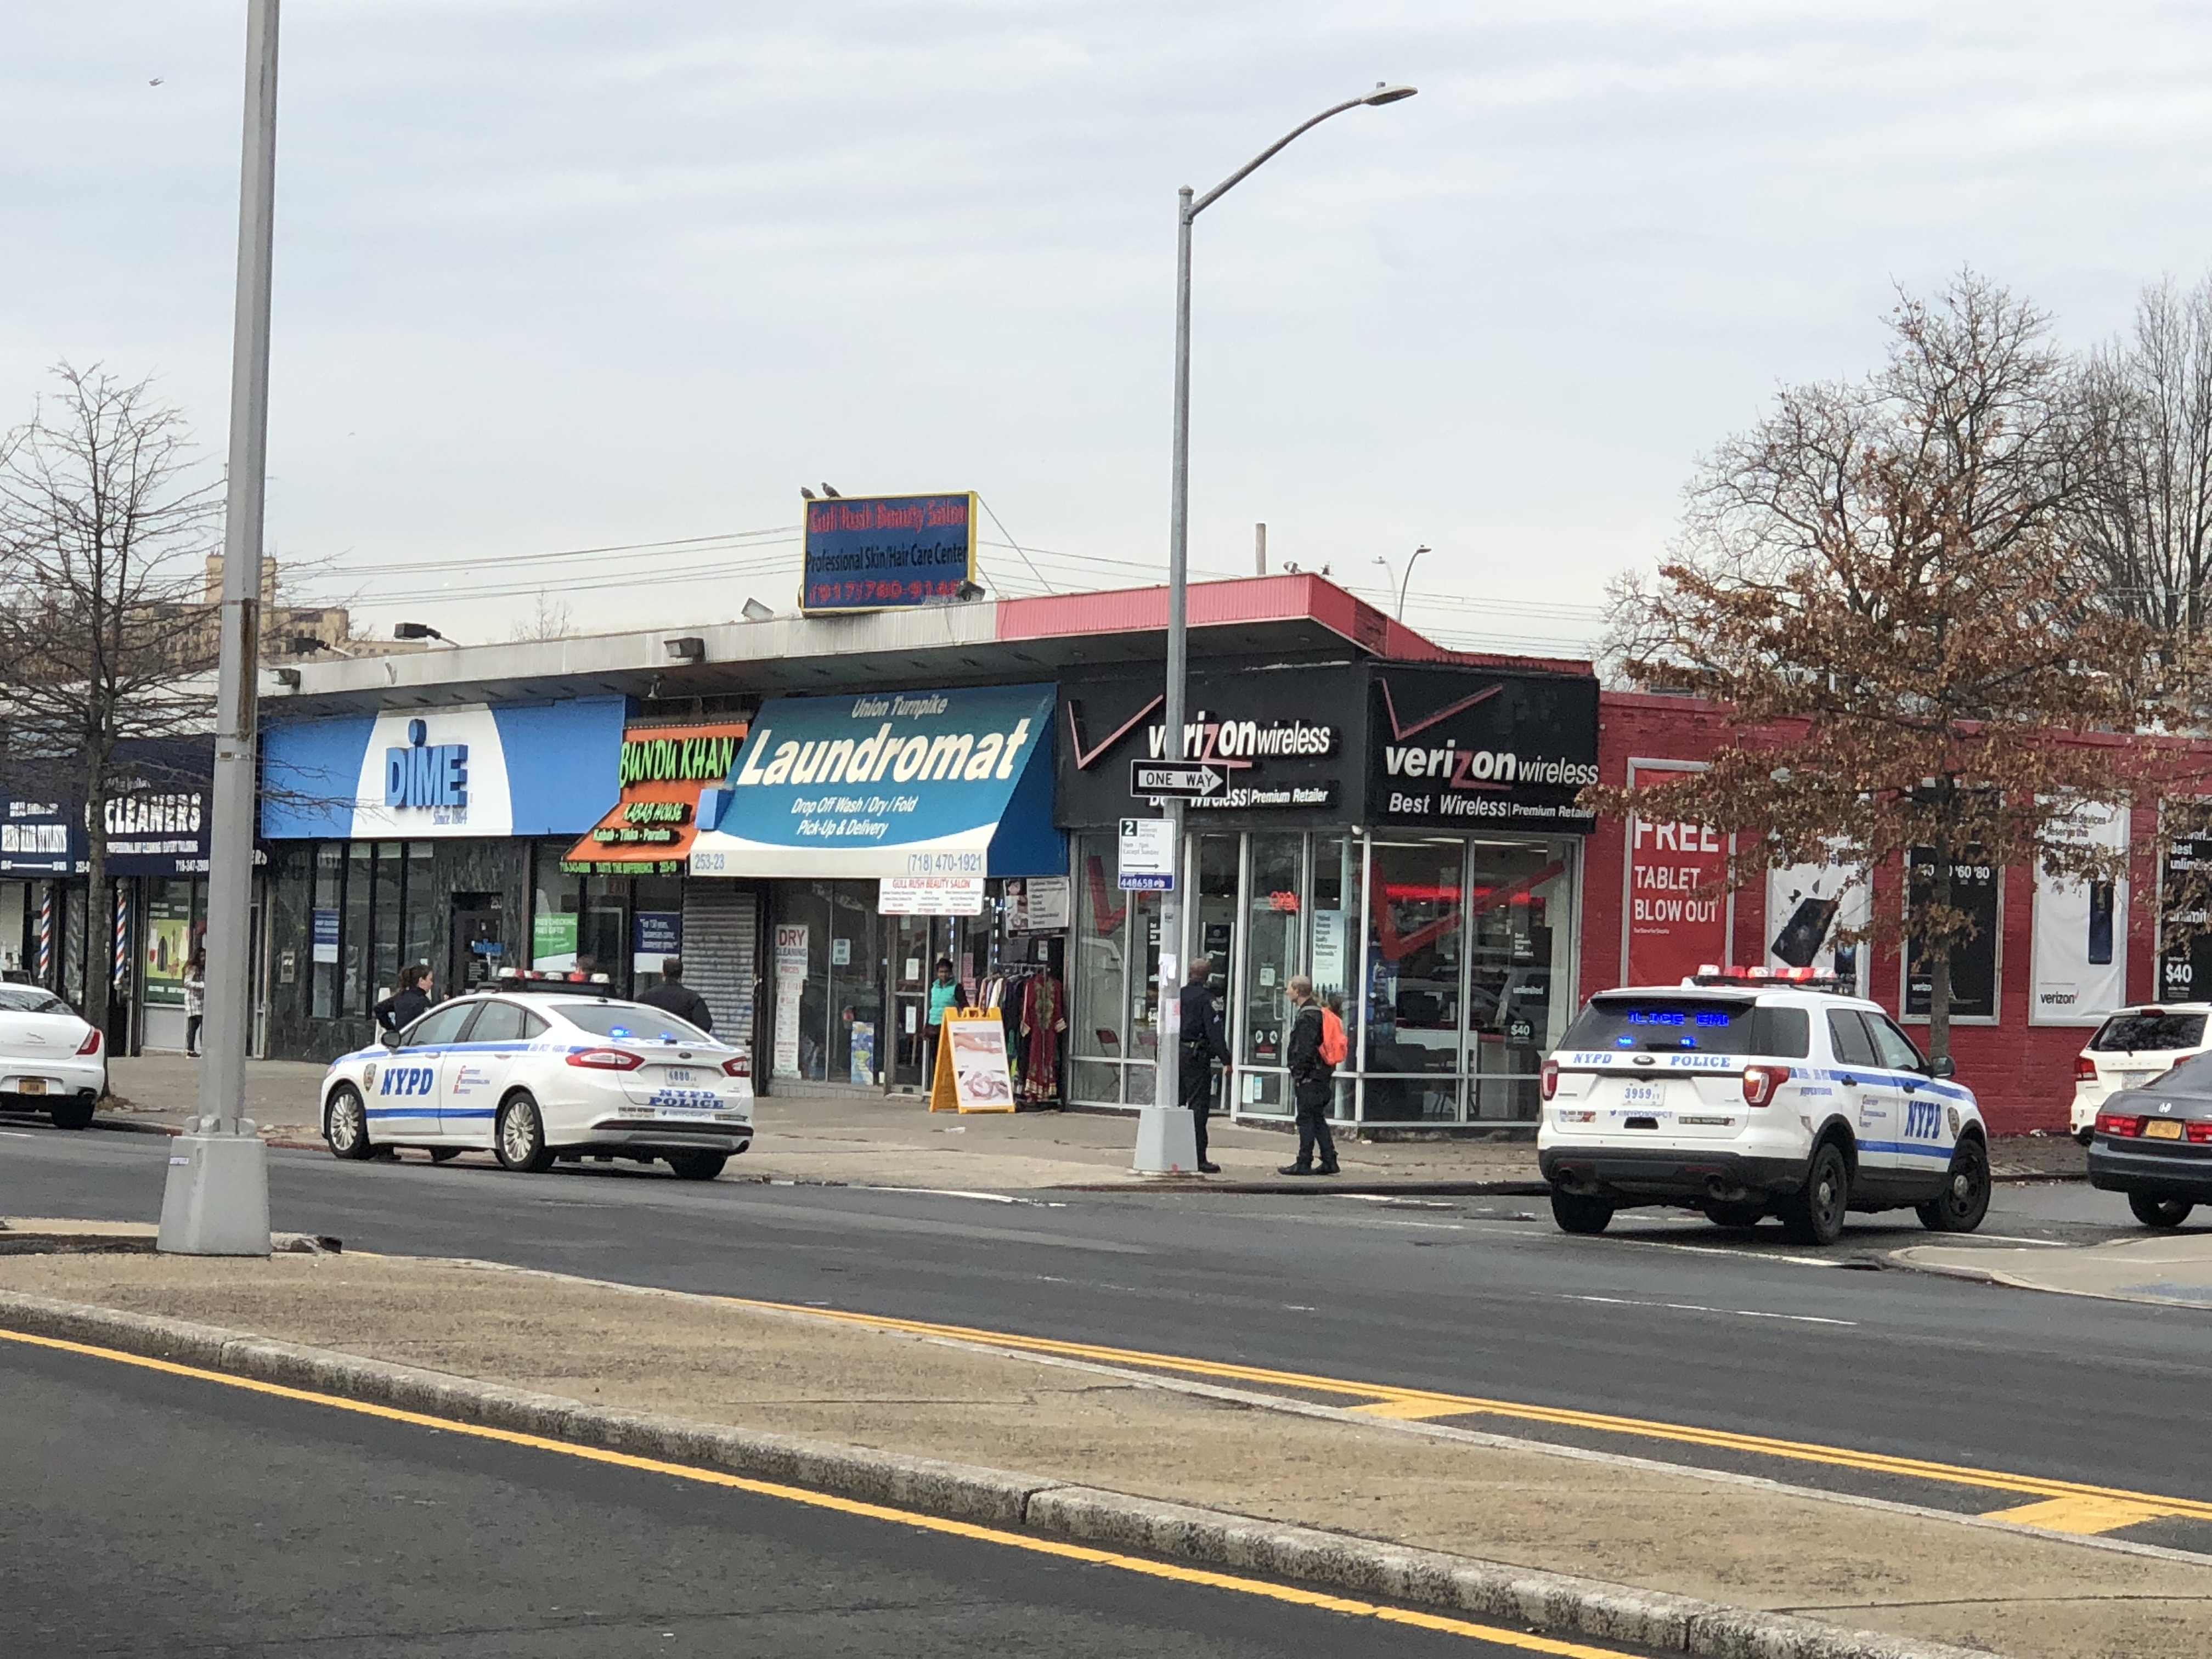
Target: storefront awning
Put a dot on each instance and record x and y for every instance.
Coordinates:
(894, 783)
(650, 829)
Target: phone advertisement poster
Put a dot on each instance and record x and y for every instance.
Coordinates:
(2080, 936)
(1807, 905)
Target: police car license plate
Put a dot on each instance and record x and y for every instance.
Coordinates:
(2162, 1128)
(677, 1074)
(1642, 1094)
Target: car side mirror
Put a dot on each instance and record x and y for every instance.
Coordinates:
(389, 1039)
(1944, 1067)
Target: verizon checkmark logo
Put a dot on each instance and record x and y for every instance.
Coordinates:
(1400, 730)
(1083, 757)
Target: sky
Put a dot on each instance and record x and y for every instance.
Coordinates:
(558, 276)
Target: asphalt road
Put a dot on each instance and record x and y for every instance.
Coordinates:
(158, 1515)
(1662, 1318)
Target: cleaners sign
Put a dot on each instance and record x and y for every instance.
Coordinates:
(891, 783)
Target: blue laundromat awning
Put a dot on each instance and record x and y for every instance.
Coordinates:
(890, 783)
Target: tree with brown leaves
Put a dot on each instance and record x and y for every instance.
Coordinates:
(1880, 581)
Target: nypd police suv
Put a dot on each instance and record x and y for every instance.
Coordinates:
(545, 1070)
(1745, 1095)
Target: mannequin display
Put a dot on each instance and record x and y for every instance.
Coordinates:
(1044, 1017)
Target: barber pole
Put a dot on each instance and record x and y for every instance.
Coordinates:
(121, 935)
(47, 939)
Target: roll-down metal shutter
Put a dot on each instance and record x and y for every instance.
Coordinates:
(721, 944)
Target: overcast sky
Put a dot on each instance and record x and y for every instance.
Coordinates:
(553, 275)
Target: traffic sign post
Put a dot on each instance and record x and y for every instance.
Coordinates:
(1181, 780)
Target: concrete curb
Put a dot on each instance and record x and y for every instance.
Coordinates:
(1322, 1185)
(1552, 1602)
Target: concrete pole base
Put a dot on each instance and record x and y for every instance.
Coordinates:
(1167, 1141)
(217, 1202)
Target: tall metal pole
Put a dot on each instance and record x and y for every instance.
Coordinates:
(217, 1202)
(1167, 1140)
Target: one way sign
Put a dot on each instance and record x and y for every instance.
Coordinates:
(1189, 779)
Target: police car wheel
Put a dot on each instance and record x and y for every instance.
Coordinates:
(2160, 1211)
(346, 1126)
(521, 1138)
(1815, 1215)
(1734, 1215)
(1576, 1213)
(697, 1166)
(1966, 1197)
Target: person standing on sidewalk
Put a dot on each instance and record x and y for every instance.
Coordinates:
(945, 993)
(1202, 1044)
(673, 996)
(409, 1003)
(195, 1002)
(1313, 1081)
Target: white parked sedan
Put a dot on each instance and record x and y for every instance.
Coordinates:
(534, 1077)
(50, 1060)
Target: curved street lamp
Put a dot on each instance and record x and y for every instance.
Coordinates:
(1165, 1138)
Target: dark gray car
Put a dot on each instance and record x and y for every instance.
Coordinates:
(2154, 1144)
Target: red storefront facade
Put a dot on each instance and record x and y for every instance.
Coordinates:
(2023, 1072)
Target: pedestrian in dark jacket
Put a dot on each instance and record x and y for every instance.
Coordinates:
(1202, 1043)
(1313, 1083)
(673, 996)
(409, 1003)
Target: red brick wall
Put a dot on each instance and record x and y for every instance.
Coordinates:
(2023, 1074)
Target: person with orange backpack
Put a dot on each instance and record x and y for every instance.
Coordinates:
(1316, 1048)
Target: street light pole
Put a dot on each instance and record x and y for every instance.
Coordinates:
(217, 1202)
(1166, 1141)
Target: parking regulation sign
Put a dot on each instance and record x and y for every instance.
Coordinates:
(1148, 856)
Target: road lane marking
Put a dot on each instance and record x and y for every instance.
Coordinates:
(2086, 1516)
(1413, 1405)
(1204, 1578)
(1700, 1307)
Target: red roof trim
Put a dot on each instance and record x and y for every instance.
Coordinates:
(1250, 600)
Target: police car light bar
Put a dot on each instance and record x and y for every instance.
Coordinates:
(538, 979)
(1794, 979)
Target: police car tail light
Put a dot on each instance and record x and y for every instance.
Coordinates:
(1760, 1083)
(91, 1043)
(2085, 1069)
(738, 1066)
(2117, 1123)
(604, 1059)
(1551, 1079)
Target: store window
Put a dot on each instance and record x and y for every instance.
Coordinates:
(1416, 988)
(324, 919)
(1114, 979)
(1275, 921)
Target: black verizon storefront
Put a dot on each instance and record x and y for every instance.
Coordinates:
(1406, 835)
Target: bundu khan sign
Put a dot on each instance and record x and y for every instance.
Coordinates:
(662, 772)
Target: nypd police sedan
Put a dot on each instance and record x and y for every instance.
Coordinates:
(544, 1076)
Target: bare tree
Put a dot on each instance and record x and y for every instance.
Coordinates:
(2146, 519)
(552, 620)
(105, 523)
(1882, 582)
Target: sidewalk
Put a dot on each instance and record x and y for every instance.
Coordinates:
(2174, 1269)
(892, 1142)
(1910, 1573)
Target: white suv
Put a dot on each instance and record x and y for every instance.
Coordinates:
(2131, 1048)
(1746, 1096)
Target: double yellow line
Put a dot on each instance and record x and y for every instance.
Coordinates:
(2070, 1506)
(1318, 1601)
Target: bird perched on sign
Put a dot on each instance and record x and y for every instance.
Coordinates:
(806, 492)
(832, 492)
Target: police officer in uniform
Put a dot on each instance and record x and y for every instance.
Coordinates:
(1202, 1044)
